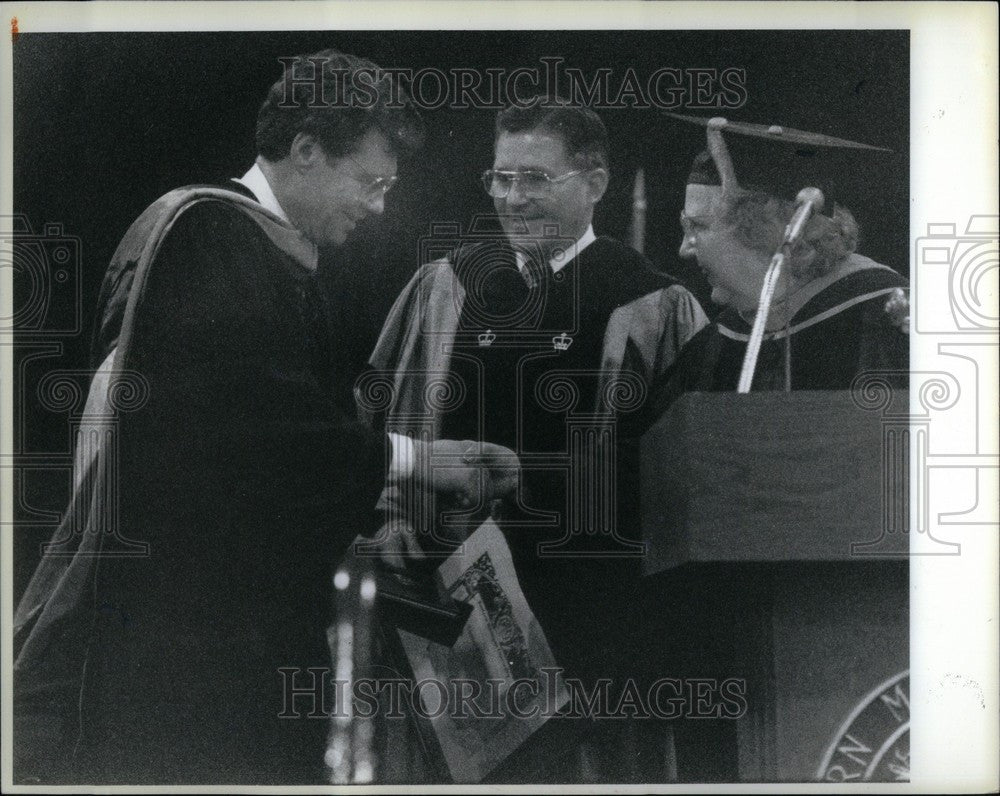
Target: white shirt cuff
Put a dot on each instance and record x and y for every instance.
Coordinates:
(401, 464)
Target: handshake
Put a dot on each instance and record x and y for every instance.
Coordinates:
(472, 474)
(467, 475)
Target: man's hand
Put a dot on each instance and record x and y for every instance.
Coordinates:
(473, 473)
(395, 544)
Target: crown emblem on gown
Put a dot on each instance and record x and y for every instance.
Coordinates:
(562, 342)
(486, 338)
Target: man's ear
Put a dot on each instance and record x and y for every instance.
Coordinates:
(305, 152)
(597, 183)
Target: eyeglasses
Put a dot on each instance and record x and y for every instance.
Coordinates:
(691, 225)
(376, 186)
(534, 184)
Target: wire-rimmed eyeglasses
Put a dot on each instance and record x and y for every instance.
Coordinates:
(376, 186)
(534, 184)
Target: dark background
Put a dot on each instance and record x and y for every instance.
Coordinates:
(105, 123)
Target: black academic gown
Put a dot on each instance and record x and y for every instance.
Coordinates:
(247, 481)
(843, 331)
(524, 392)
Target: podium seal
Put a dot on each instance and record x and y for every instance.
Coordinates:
(873, 743)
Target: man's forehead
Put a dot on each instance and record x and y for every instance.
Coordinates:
(702, 201)
(374, 151)
(530, 149)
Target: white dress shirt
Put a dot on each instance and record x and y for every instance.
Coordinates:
(559, 261)
(256, 181)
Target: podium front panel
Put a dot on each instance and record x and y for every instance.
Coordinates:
(777, 557)
(766, 477)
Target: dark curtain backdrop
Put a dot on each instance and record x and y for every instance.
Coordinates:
(105, 123)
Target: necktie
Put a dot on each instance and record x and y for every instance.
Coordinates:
(534, 272)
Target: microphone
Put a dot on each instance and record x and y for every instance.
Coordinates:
(807, 202)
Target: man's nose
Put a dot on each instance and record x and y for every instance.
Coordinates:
(687, 248)
(516, 196)
(375, 203)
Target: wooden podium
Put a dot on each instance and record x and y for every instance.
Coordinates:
(776, 526)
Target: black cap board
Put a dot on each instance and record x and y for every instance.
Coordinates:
(780, 160)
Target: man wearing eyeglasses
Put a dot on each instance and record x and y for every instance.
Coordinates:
(553, 334)
(196, 560)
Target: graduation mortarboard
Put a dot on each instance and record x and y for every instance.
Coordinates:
(779, 160)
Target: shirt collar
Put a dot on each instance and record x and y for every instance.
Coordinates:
(256, 181)
(563, 258)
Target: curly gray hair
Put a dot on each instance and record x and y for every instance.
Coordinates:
(759, 218)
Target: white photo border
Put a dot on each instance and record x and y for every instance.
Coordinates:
(954, 167)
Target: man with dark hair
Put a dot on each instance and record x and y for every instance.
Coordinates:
(170, 633)
(552, 334)
(581, 128)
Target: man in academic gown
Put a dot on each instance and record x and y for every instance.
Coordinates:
(545, 336)
(197, 556)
